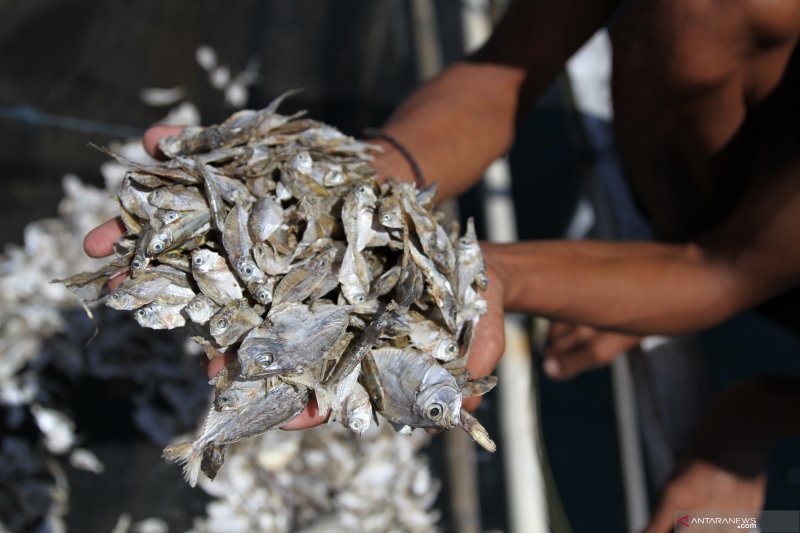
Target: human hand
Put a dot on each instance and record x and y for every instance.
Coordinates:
(99, 242)
(489, 343)
(702, 485)
(574, 348)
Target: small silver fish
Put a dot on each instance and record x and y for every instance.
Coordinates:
(294, 337)
(201, 309)
(419, 392)
(177, 198)
(214, 278)
(279, 405)
(232, 322)
(181, 229)
(157, 316)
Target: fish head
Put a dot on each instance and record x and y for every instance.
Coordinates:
(138, 264)
(446, 349)
(365, 195)
(159, 243)
(359, 420)
(262, 293)
(392, 219)
(440, 405)
(202, 260)
(146, 315)
(302, 162)
(238, 395)
(257, 357)
(248, 270)
(120, 300)
(220, 323)
(168, 217)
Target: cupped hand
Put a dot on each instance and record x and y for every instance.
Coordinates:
(486, 350)
(99, 242)
(703, 486)
(574, 348)
(490, 341)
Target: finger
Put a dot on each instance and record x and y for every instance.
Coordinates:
(472, 403)
(662, 520)
(308, 418)
(216, 364)
(100, 241)
(558, 329)
(153, 135)
(115, 282)
(489, 344)
(612, 345)
(568, 365)
(571, 338)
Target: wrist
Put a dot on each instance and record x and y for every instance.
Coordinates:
(391, 163)
(496, 269)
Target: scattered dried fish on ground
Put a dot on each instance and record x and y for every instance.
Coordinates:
(269, 237)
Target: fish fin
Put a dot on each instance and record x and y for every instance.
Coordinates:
(273, 105)
(184, 453)
(478, 387)
(470, 424)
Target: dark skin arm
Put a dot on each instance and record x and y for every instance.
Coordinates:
(461, 120)
(723, 469)
(464, 118)
(646, 288)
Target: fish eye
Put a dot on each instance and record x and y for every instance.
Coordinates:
(141, 313)
(361, 298)
(362, 189)
(158, 246)
(136, 264)
(197, 260)
(434, 411)
(222, 323)
(248, 270)
(356, 425)
(451, 348)
(387, 218)
(171, 216)
(263, 294)
(464, 241)
(225, 399)
(265, 359)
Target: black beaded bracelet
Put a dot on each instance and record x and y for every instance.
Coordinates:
(375, 133)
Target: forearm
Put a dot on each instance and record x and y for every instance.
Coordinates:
(454, 125)
(746, 421)
(634, 287)
(460, 121)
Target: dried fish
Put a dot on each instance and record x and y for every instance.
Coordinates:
(260, 413)
(316, 276)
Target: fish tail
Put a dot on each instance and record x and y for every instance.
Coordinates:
(185, 453)
(470, 424)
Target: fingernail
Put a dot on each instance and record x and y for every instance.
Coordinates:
(551, 367)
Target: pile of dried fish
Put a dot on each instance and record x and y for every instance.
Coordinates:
(269, 236)
(321, 480)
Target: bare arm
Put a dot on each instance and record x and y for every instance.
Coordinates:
(464, 118)
(641, 287)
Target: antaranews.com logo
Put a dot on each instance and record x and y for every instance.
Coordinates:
(747, 522)
(732, 521)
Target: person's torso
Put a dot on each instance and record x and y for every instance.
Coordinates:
(703, 99)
